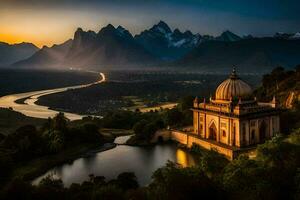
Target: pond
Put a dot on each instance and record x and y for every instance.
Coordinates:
(143, 161)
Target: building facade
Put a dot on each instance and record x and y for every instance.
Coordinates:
(233, 119)
(231, 123)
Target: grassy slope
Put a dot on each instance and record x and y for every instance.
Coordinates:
(11, 120)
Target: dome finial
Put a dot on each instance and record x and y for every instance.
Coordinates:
(233, 74)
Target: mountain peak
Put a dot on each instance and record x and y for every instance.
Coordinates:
(78, 33)
(109, 29)
(162, 23)
(188, 33)
(228, 36)
(177, 31)
(121, 29)
(110, 26)
(79, 29)
(161, 27)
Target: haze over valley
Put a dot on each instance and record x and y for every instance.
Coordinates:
(158, 47)
(149, 100)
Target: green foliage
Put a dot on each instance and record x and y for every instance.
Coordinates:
(17, 189)
(173, 117)
(212, 163)
(55, 140)
(244, 178)
(176, 183)
(144, 130)
(85, 133)
(138, 128)
(127, 181)
(109, 192)
(121, 119)
(294, 138)
(186, 103)
(195, 148)
(270, 176)
(279, 82)
(26, 142)
(49, 181)
(59, 122)
(6, 165)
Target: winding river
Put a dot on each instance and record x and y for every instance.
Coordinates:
(143, 161)
(31, 109)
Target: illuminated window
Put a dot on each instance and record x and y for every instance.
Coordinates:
(224, 133)
(201, 128)
(223, 125)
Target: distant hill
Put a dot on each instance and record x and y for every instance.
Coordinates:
(11, 120)
(110, 47)
(11, 53)
(46, 57)
(283, 84)
(285, 87)
(228, 36)
(249, 55)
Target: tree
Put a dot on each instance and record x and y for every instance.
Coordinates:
(18, 189)
(26, 141)
(60, 122)
(108, 192)
(173, 117)
(245, 178)
(176, 183)
(186, 103)
(213, 163)
(55, 140)
(127, 180)
(138, 127)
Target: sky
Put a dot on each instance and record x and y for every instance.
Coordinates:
(48, 22)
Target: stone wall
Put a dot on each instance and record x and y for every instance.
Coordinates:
(189, 140)
(179, 136)
(210, 146)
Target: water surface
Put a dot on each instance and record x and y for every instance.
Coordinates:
(143, 161)
(31, 109)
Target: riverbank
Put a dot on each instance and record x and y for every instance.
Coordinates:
(31, 170)
(26, 102)
(133, 141)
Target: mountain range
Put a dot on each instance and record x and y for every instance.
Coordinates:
(166, 44)
(248, 55)
(110, 47)
(11, 53)
(160, 46)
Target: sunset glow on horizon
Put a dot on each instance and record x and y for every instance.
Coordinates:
(53, 22)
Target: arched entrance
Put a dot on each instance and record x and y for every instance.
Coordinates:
(213, 132)
(262, 131)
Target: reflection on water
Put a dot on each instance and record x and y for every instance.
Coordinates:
(143, 161)
(184, 159)
(122, 139)
(31, 109)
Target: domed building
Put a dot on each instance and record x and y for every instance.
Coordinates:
(233, 121)
(233, 87)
